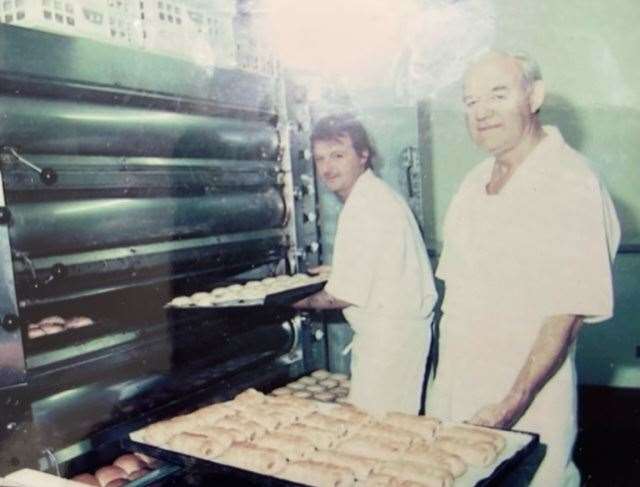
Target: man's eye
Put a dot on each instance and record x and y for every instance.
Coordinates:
(338, 156)
(470, 103)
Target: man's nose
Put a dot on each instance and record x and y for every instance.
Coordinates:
(482, 111)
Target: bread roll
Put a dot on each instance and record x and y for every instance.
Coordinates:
(181, 302)
(202, 299)
(318, 474)
(328, 383)
(159, 433)
(378, 480)
(321, 439)
(268, 419)
(424, 426)
(249, 429)
(52, 320)
(372, 447)
(220, 435)
(267, 281)
(293, 447)
(281, 391)
(322, 421)
(308, 381)
(389, 432)
(36, 332)
(296, 386)
(79, 322)
(321, 374)
(349, 413)
(314, 389)
(324, 396)
(360, 466)
(428, 475)
(431, 455)
(477, 454)
(139, 473)
(129, 463)
(302, 394)
(344, 401)
(234, 288)
(210, 415)
(86, 478)
(251, 396)
(251, 457)
(303, 406)
(476, 434)
(198, 445)
(338, 377)
(51, 328)
(151, 462)
(109, 473)
(340, 391)
(117, 483)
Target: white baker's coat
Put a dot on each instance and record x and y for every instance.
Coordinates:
(543, 246)
(380, 265)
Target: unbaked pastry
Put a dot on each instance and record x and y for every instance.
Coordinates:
(251, 457)
(318, 474)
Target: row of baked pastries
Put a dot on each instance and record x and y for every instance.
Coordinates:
(306, 442)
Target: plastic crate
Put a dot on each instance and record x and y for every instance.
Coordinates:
(190, 30)
(95, 19)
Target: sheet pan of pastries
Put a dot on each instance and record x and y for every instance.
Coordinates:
(309, 442)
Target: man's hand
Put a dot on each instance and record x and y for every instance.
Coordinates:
(321, 269)
(321, 300)
(501, 415)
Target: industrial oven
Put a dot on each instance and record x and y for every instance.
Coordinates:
(129, 178)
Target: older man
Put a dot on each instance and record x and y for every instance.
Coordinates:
(381, 276)
(528, 243)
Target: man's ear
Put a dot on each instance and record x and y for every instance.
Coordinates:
(364, 156)
(536, 96)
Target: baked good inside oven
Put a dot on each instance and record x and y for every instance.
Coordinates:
(108, 474)
(86, 478)
(79, 322)
(321, 374)
(129, 463)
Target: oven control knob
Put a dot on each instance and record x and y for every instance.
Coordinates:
(10, 322)
(48, 176)
(5, 215)
(318, 335)
(58, 271)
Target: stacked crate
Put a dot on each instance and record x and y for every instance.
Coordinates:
(195, 30)
(103, 20)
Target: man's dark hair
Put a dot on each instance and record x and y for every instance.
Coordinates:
(334, 127)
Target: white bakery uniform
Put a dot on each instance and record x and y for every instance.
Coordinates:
(380, 265)
(542, 246)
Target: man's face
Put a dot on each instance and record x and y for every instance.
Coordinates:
(338, 164)
(497, 104)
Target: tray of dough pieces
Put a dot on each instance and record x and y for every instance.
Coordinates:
(270, 291)
(299, 453)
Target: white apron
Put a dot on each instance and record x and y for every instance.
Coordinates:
(541, 247)
(380, 265)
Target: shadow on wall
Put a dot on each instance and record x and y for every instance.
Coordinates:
(558, 111)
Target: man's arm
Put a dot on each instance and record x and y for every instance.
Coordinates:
(321, 300)
(545, 358)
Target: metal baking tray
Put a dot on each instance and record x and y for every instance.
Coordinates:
(234, 475)
(520, 445)
(281, 298)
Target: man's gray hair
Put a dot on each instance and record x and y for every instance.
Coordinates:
(530, 68)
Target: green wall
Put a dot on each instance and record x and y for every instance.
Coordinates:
(587, 51)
